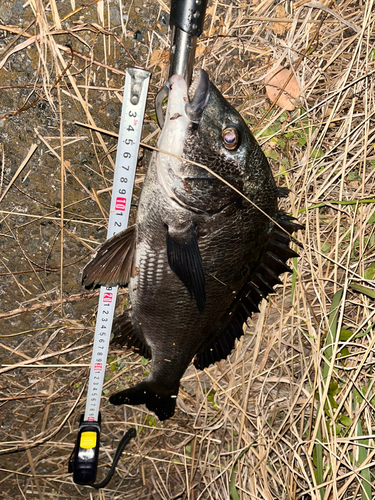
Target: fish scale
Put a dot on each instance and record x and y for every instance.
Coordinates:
(204, 256)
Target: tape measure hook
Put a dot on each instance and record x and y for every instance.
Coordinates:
(138, 78)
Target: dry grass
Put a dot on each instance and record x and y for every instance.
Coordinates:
(291, 413)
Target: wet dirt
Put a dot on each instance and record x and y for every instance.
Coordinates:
(30, 220)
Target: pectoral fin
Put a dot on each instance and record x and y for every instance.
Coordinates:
(114, 261)
(185, 260)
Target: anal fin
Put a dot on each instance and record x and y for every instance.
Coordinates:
(223, 344)
(185, 261)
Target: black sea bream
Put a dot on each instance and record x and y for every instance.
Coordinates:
(200, 257)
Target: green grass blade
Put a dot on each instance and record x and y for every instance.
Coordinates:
(318, 460)
(337, 202)
(232, 484)
(362, 455)
(294, 277)
(332, 331)
(363, 289)
(330, 340)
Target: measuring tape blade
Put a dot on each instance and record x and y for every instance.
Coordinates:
(132, 114)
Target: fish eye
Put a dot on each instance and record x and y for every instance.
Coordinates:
(230, 138)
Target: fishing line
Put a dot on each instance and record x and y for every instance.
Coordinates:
(294, 239)
(154, 148)
(224, 182)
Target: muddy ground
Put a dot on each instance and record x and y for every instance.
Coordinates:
(62, 66)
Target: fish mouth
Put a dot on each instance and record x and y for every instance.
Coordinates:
(199, 93)
(196, 97)
(185, 108)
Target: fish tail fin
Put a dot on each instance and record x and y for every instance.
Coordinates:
(161, 403)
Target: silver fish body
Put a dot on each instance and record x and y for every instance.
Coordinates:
(200, 257)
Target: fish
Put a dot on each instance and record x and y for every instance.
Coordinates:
(208, 244)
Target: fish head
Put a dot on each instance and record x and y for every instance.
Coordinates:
(211, 151)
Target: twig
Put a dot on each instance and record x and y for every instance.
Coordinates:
(48, 437)
(19, 170)
(32, 466)
(44, 356)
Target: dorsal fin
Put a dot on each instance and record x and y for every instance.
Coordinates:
(261, 283)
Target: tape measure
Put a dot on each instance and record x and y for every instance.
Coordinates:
(85, 460)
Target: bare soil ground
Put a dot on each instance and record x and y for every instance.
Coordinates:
(290, 415)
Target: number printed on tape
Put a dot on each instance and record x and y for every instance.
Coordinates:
(123, 182)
